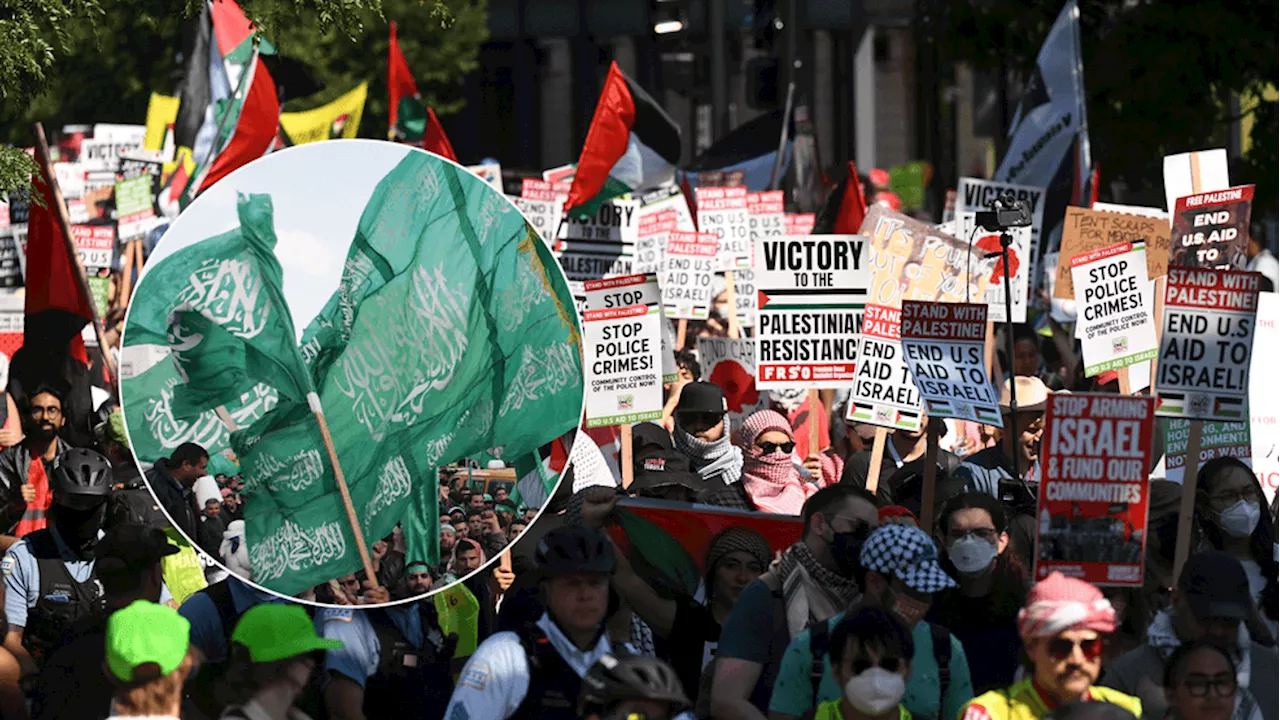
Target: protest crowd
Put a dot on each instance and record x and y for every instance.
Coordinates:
(829, 466)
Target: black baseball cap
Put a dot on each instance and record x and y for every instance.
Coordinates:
(666, 469)
(128, 548)
(702, 397)
(1215, 586)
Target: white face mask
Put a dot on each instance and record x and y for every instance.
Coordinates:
(971, 554)
(875, 691)
(1240, 519)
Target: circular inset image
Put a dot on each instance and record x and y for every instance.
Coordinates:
(337, 353)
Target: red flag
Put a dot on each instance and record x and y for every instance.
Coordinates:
(853, 206)
(255, 128)
(56, 307)
(435, 140)
(1094, 182)
(399, 81)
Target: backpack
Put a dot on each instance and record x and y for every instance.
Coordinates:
(819, 644)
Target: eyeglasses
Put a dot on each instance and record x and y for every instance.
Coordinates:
(769, 448)
(1223, 685)
(892, 664)
(1231, 498)
(1062, 648)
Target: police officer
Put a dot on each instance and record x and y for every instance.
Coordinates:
(395, 660)
(49, 578)
(536, 671)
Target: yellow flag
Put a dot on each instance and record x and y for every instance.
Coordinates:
(458, 612)
(338, 119)
(162, 112)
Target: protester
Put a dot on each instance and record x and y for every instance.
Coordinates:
(814, 580)
(388, 564)
(531, 673)
(1061, 628)
(902, 449)
(1230, 517)
(172, 480)
(1212, 599)
(701, 433)
(25, 467)
(768, 472)
(982, 612)
(148, 656)
(418, 578)
(871, 653)
(901, 576)
(660, 471)
(274, 651)
(1200, 682)
(627, 686)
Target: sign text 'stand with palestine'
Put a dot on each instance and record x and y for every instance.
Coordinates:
(811, 290)
(944, 345)
(723, 211)
(624, 376)
(883, 392)
(1203, 370)
(688, 265)
(629, 290)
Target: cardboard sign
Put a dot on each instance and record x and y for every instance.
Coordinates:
(624, 383)
(97, 244)
(1093, 491)
(723, 211)
(601, 245)
(1212, 229)
(800, 223)
(687, 270)
(134, 212)
(731, 364)
(914, 261)
(1203, 370)
(976, 195)
(883, 391)
(943, 345)
(1115, 308)
(811, 292)
(1150, 212)
(1021, 258)
(635, 290)
(1084, 231)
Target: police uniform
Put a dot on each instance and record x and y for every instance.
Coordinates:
(48, 588)
(397, 654)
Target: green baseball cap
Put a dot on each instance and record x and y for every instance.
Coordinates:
(146, 634)
(274, 632)
(115, 428)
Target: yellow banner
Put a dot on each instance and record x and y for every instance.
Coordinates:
(162, 111)
(338, 119)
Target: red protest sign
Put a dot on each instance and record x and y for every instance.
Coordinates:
(1094, 490)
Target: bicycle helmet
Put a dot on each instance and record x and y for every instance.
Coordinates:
(572, 549)
(80, 471)
(618, 678)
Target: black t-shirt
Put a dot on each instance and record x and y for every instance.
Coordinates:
(988, 631)
(692, 643)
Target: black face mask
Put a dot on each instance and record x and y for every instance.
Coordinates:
(79, 528)
(846, 547)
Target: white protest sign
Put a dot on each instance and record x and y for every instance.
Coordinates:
(731, 364)
(985, 242)
(975, 195)
(688, 266)
(562, 174)
(635, 290)
(1114, 308)
(103, 155)
(811, 291)
(1203, 370)
(1264, 395)
(70, 179)
(766, 217)
(723, 211)
(883, 392)
(96, 243)
(490, 173)
(800, 223)
(943, 344)
(624, 385)
(601, 245)
(122, 133)
(651, 240)
(1180, 170)
(541, 215)
(578, 290)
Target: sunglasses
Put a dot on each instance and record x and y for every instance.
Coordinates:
(770, 448)
(1199, 685)
(891, 664)
(1062, 648)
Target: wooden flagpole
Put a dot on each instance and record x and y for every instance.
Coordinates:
(731, 300)
(314, 401)
(877, 459)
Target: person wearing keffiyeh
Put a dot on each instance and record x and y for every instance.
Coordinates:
(701, 433)
(768, 470)
(1061, 627)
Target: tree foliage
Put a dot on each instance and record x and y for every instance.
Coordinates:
(1158, 76)
(87, 61)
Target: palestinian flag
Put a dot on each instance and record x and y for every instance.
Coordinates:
(632, 145)
(751, 148)
(845, 209)
(409, 119)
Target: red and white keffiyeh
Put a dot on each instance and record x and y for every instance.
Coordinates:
(772, 481)
(1060, 603)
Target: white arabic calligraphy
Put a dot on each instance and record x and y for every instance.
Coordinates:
(542, 373)
(291, 548)
(228, 292)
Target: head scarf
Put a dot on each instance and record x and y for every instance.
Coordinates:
(718, 460)
(462, 543)
(1060, 603)
(772, 481)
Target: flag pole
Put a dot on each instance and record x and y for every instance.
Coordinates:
(64, 223)
(774, 178)
(314, 401)
(202, 170)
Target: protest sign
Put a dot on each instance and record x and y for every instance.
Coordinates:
(19, 206)
(731, 364)
(883, 391)
(688, 266)
(631, 290)
(799, 223)
(651, 239)
(1194, 172)
(624, 383)
(913, 261)
(943, 345)
(1264, 395)
(134, 212)
(10, 263)
(1114, 308)
(578, 290)
(1217, 439)
(562, 174)
(338, 119)
(723, 211)
(1150, 212)
(96, 244)
(986, 242)
(976, 195)
(490, 173)
(766, 217)
(601, 245)
(1093, 495)
(103, 154)
(143, 163)
(70, 179)
(541, 202)
(1084, 231)
(1203, 370)
(811, 291)
(1211, 229)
